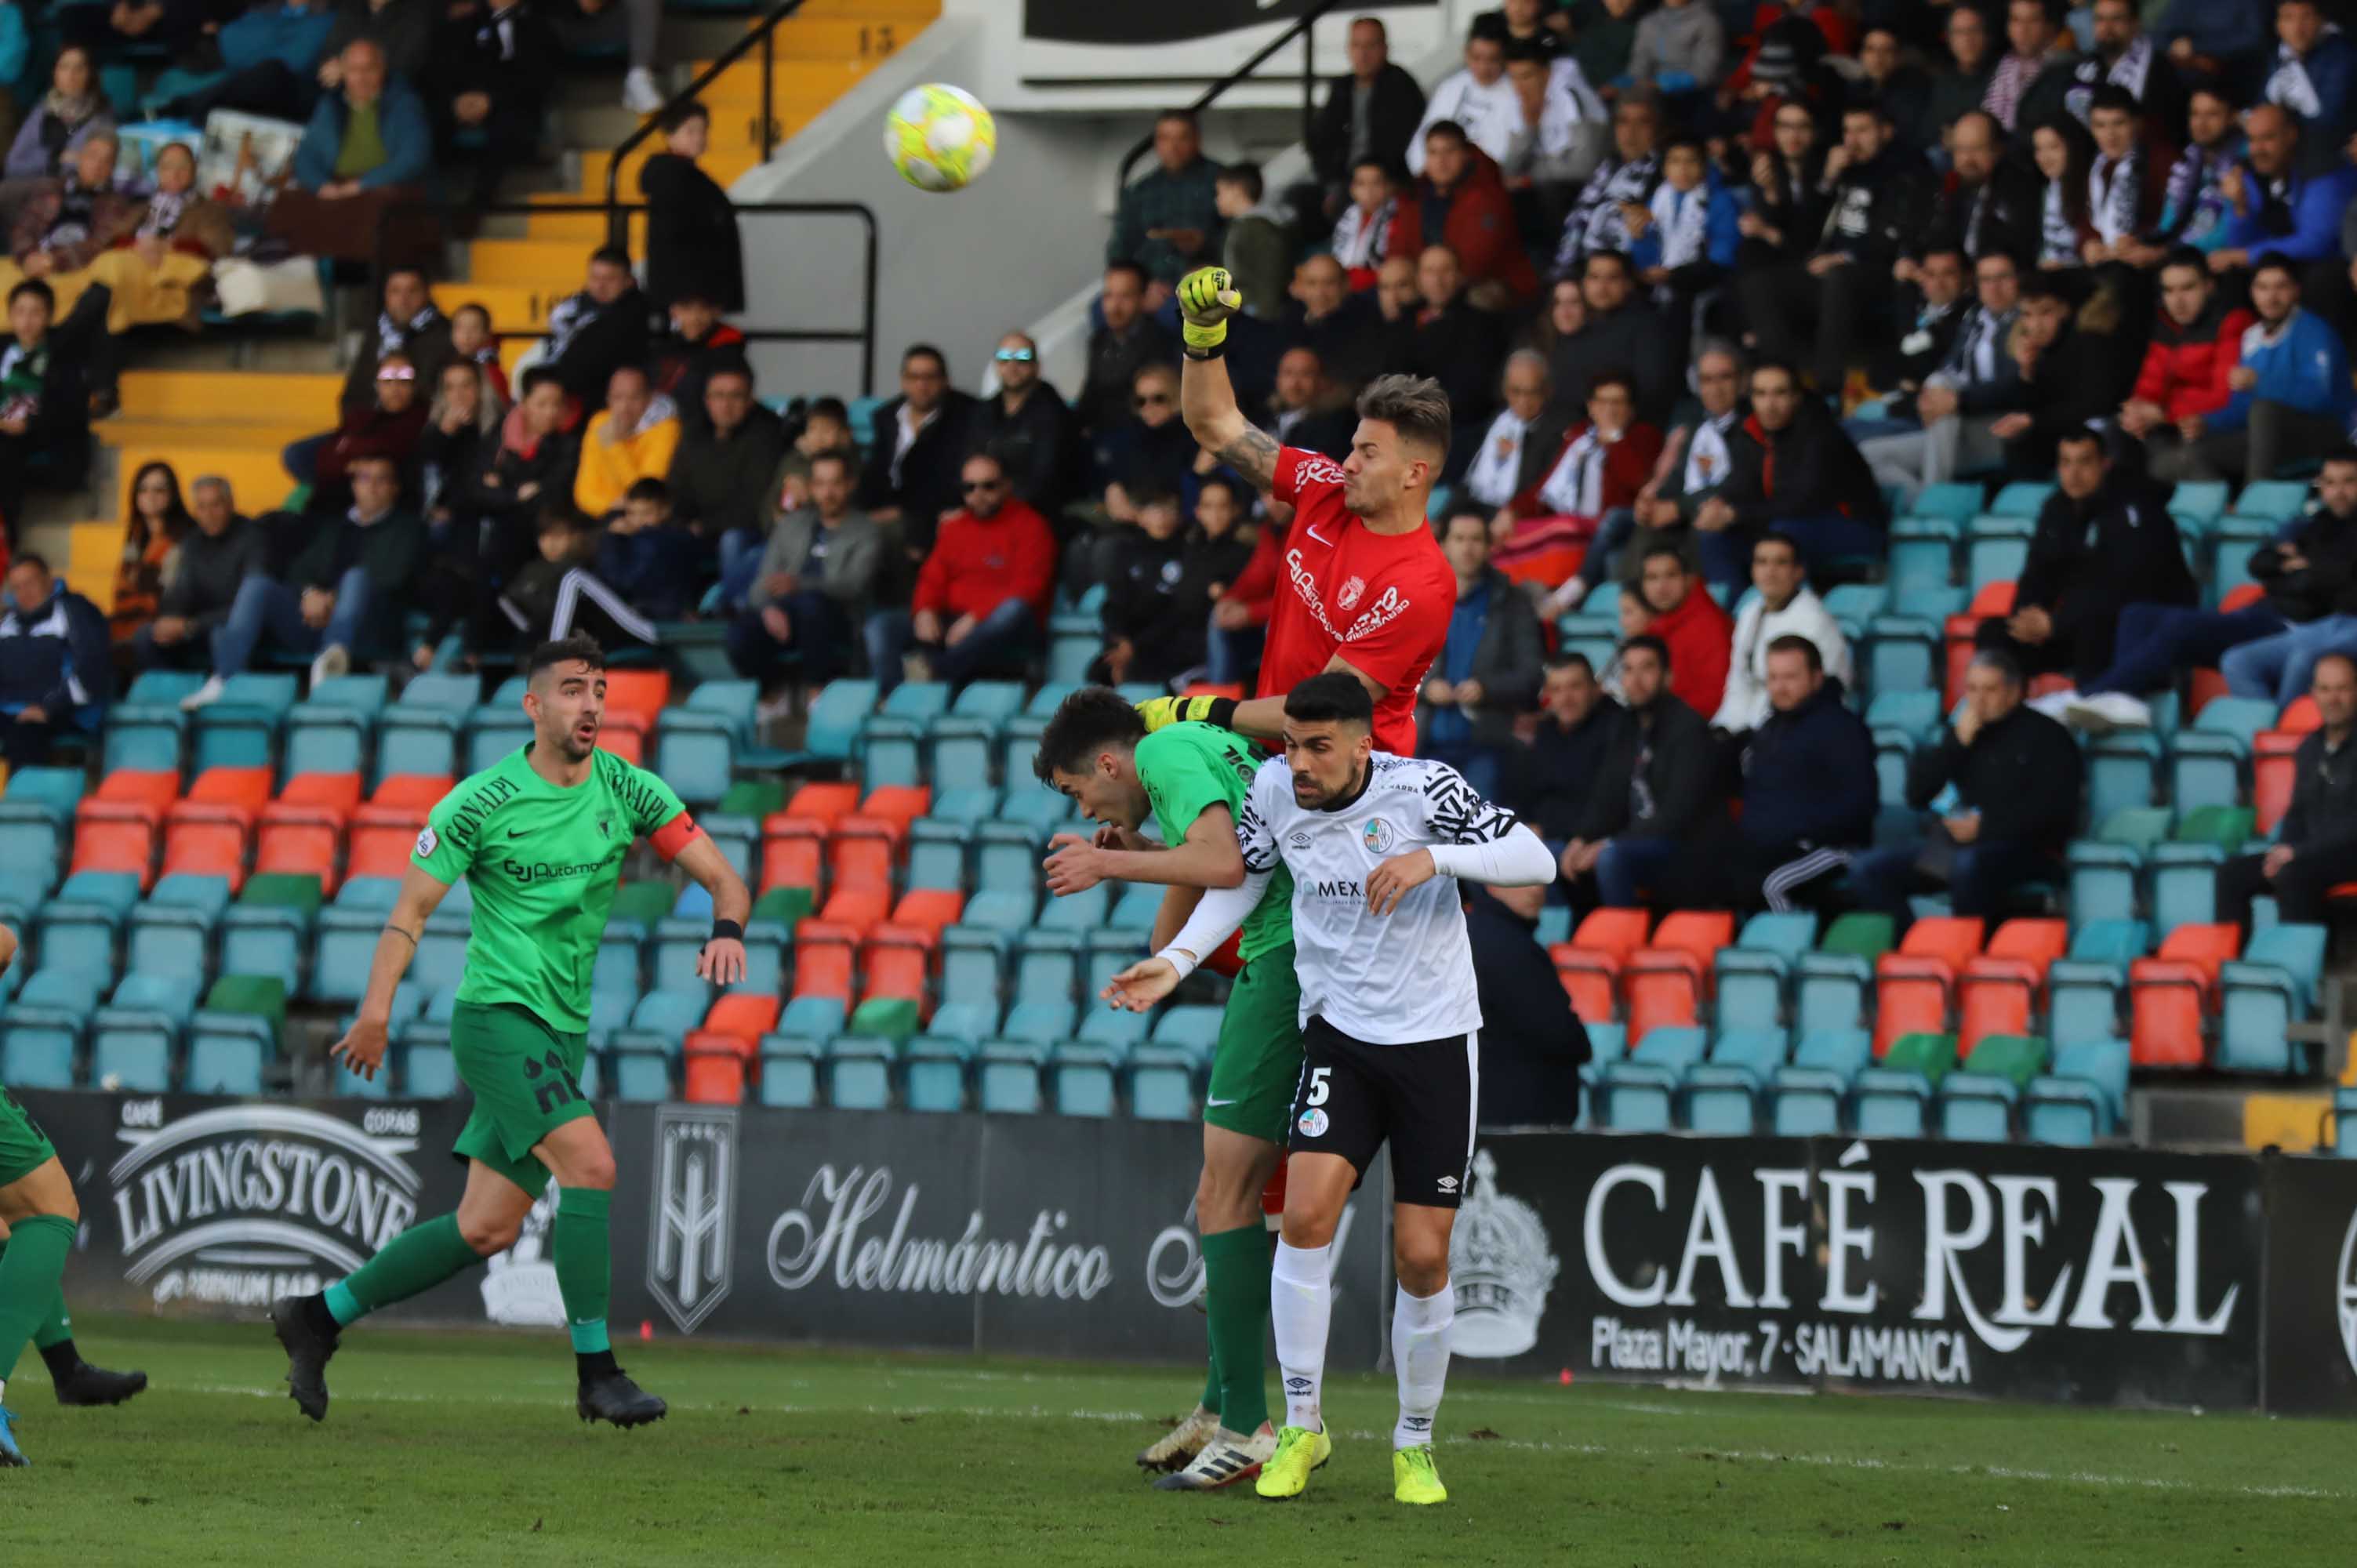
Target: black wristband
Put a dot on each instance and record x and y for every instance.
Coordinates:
(1221, 713)
(1217, 351)
(728, 931)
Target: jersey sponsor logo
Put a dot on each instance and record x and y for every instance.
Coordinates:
(1317, 470)
(466, 824)
(1346, 889)
(427, 843)
(1378, 836)
(1312, 531)
(527, 872)
(688, 1224)
(604, 827)
(517, 833)
(1313, 1123)
(1448, 1183)
(241, 1203)
(1389, 605)
(1503, 1264)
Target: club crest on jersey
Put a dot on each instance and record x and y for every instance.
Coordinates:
(427, 843)
(1353, 590)
(1378, 836)
(604, 827)
(1313, 1123)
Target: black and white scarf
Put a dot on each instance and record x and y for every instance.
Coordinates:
(392, 336)
(2115, 190)
(2290, 86)
(2057, 237)
(163, 210)
(2130, 70)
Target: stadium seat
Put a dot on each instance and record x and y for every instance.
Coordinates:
(789, 1074)
(1723, 1093)
(2261, 994)
(793, 853)
(145, 729)
(44, 1029)
(332, 729)
(125, 845)
(713, 1068)
(1047, 966)
(2123, 769)
(1977, 1101)
(1081, 1076)
(135, 1038)
(933, 1070)
(1914, 987)
(2082, 1097)
(815, 1017)
(1591, 964)
(171, 933)
(1811, 1095)
(2002, 987)
(1669, 978)
(1008, 1074)
(1640, 1092)
(832, 727)
(37, 813)
(2170, 993)
(1892, 1098)
(2274, 771)
(822, 960)
(241, 729)
(1190, 1027)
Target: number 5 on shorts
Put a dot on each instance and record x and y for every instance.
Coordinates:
(1318, 1087)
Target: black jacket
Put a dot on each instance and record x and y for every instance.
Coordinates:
(2002, 213)
(1038, 444)
(1136, 455)
(1347, 339)
(2323, 811)
(1532, 1042)
(1510, 660)
(1395, 109)
(1142, 604)
(1633, 340)
(55, 654)
(1669, 743)
(693, 245)
(389, 550)
(2119, 546)
(1877, 210)
(2021, 773)
(721, 485)
(210, 572)
(550, 467)
(467, 59)
(1114, 364)
(1323, 430)
(2327, 584)
(1808, 777)
(1556, 781)
(1809, 468)
(1462, 348)
(2078, 378)
(427, 344)
(601, 340)
(683, 367)
(1920, 343)
(925, 483)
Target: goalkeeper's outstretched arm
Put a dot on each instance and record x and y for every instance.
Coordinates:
(1206, 397)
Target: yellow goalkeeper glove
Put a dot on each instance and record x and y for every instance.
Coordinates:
(1159, 712)
(1207, 297)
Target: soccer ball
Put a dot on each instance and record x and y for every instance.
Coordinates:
(939, 137)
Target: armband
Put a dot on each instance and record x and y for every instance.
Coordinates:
(726, 931)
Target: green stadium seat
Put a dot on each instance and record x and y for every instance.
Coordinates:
(1977, 1101)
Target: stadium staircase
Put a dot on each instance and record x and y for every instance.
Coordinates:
(227, 407)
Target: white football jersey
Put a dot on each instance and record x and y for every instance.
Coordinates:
(1383, 979)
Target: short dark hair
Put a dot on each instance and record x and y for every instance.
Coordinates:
(38, 290)
(1416, 406)
(413, 269)
(1146, 494)
(1621, 379)
(2112, 95)
(833, 454)
(648, 490)
(1091, 720)
(1446, 128)
(2273, 262)
(2185, 256)
(1771, 362)
(33, 558)
(1335, 697)
(679, 114)
(2081, 434)
(1793, 642)
(564, 650)
(1778, 536)
(1126, 265)
(1489, 27)
(2341, 454)
(538, 377)
(1663, 547)
(2007, 667)
(561, 519)
(1617, 258)
(1245, 175)
(1465, 509)
(1525, 51)
(1647, 641)
(925, 351)
(612, 255)
(1571, 661)
(833, 408)
(1184, 115)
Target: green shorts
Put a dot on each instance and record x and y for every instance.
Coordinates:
(24, 1147)
(527, 1082)
(1258, 1062)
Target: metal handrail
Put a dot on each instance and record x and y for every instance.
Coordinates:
(865, 337)
(1301, 28)
(760, 37)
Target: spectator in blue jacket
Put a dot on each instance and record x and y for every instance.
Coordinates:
(2290, 399)
(2315, 78)
(2227, 43)
(1808, 794)
(2282, 210)
(369, 145)
(272, 55)
(2195, 209)
(55, 673)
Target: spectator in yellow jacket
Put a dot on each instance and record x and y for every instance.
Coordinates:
(633, 439)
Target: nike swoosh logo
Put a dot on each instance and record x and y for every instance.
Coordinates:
(1210, 1103)
(517, 833)
(1317, 536)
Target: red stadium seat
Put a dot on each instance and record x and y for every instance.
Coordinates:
(897, 961)
(1914, 987)
(2275, 768)
(2204, 686)
(1591, 964)
(339, 792)
(2300, 716)
(1959, 630)
(2000, 988)
(717, 1069)
(858, 908)
(897, 803)
(2242, 597)
(1669, 979)
(634, 699)
(928, 909)
(821, 802)
(742, 1015)
(207, 847)
(306, 848)
(630, 745)
(2170, 993)
(124, 843)
(127, 794)
(823, 951)
(861, 853)
(418, 793)
(385, 831)
(793, 853)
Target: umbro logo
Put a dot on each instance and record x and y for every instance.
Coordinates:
(1448, 1184)
(1416, 1423)
(1297, 1385)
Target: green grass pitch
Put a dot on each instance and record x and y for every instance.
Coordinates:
(451, 1448)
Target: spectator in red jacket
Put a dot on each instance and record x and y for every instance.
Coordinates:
(1700, 637)
(1461, 201)
(1544, 534)
(2196, 343)
(390, 429)
(982, 599)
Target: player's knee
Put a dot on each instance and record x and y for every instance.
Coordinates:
(1303, 1229)
(593, 1171)
(490, 1234)
(1421, 1262)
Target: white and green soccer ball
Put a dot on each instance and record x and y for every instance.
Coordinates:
(939, 137)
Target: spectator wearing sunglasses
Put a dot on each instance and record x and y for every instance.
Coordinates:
(982, 599)
(1028, 428)
(1150, 450)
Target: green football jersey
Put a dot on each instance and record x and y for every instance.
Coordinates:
(543, 862)
(1187, 767)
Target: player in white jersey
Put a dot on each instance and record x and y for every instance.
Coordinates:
(1391, 1025)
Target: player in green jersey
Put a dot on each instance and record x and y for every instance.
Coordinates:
(1192, 779)
(540, 837)
(38, 1217)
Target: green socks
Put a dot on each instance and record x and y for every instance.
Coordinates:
(1236, 1262)
(417, 1260)
(585, 1265)
(30, 1270)
(1210, 1373)
(57, 1329)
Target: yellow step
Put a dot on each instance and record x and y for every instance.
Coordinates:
(225, 431)
(862, 10)
(868, 37)
(527, 263)
(257, 480)
(726, 168)
(2295, 1124)
(514, 308)
(585, 231)
(94, 554)
(256, 396)
(808, 85)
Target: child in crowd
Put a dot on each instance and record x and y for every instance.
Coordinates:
(1360, 233)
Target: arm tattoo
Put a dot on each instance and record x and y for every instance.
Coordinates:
(1253, 455)
(396, 930)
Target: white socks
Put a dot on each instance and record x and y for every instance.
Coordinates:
(1420, 1354)
(1300, 1304)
